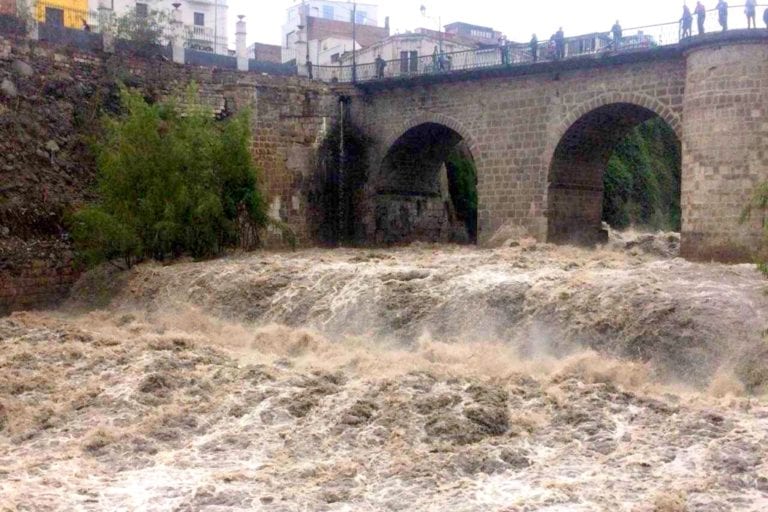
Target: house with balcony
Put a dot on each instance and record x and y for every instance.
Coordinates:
(205, 21)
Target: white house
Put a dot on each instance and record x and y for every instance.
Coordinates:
(205, 20)
(321, 30)
(412, 52)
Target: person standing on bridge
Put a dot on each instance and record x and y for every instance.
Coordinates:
(534, 44)
(722, 14)
(380, 65)
(750, 9)
(560, 44)
(503, 50)
(686, 22)
(617, 33)
(701, 15)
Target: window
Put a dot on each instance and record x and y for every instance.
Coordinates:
(414, 62)
(54, 16)
(328, 12)
(409, 62)
(403, 62)
(199, 19)
(481, 34)
(360, 17)
(335, 58)
(142, 11)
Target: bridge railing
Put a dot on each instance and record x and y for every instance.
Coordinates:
(596, 44)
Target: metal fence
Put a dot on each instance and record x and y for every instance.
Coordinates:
(633, 39)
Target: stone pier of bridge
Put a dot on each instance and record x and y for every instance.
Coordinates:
(540, 136)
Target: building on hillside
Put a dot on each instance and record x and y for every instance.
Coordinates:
(62, 13)
(205, 21)
(321, 30)
(423, 51)
(479, 34)
(409, 52)
(265, 52)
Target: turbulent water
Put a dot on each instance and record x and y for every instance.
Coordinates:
(424, 378)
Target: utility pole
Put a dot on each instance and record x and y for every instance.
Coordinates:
(354, 42)
(423, 10)
(440, 32)
(305, 8)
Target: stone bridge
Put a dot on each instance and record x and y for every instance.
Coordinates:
(540, 136)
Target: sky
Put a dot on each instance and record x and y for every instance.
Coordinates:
(517, 19)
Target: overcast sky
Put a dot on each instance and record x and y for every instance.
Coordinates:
(518, 19)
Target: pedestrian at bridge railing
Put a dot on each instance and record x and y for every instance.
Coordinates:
(711, 16)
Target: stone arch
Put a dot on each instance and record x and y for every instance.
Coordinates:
(433, 118)
(581, 147)
(414, 187)
(672, 116)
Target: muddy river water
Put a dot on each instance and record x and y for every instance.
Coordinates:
(530, 378)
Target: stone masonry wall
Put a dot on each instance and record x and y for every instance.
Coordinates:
(50, 101)
(725, 149)
(512, 124)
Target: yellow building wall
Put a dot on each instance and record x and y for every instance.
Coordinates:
(74, 11)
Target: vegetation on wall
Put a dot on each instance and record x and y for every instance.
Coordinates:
(462, 183)
(759, 203)
(642, 181)
(145, 31)
(170, 182)
(339, 186)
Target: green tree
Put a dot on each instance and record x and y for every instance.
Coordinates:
(462, 182)
(170, 181)
(759, 203)
(642, 180)
(146, 32)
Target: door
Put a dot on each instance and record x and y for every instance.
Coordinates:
(414, 62)
(404, 63)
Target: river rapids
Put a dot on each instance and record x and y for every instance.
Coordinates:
(529, 378)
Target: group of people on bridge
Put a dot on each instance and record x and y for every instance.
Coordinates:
(686, 22)
(556, 49)
(557, 41)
